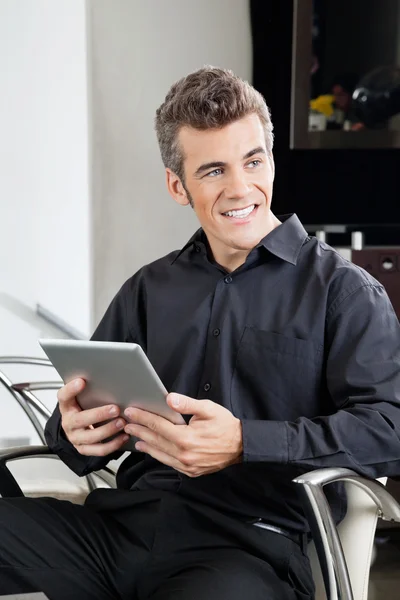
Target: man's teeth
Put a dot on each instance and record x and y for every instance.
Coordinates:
(240, 214)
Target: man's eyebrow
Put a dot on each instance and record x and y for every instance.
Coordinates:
(210, 165)
(258, 150)
(220, 164)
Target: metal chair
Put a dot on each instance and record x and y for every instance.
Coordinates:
(341, 556)
(57, 480)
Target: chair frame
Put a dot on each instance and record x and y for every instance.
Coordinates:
(322, 525)
(23, 394)
(9, 487)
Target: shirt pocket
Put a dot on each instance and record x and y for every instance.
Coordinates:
(276, 377)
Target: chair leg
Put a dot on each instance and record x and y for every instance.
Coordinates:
(327, 544)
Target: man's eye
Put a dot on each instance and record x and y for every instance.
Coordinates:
(255, 162)
(214, 173)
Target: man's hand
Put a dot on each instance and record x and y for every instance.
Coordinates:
(78, 424)
(211, 441)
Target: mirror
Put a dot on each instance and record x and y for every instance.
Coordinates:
(346, 74)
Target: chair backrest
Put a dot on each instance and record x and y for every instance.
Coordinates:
(357, 532)
(52, 478)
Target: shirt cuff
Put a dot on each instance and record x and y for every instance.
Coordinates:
(265, 441)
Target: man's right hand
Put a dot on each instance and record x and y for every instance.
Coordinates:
(78, 424)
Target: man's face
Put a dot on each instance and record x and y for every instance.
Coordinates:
(229, 179)
(342, 97)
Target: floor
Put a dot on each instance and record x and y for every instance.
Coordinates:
(385, 571)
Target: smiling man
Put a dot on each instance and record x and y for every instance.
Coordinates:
(233, 192)
(282, 356)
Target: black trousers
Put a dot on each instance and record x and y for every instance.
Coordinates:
(144, 545)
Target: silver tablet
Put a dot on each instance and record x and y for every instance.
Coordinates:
(115, 373)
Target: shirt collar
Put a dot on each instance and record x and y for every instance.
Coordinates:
(199, 236)
(285, 241)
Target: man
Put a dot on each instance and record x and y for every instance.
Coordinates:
(342, 90)
(282, 356)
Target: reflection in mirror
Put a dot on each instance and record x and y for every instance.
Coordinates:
(355, 44)
(376, 99)
(346, 73)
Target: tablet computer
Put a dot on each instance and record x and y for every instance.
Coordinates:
(115, 373)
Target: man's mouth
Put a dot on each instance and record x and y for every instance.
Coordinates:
(240, 213)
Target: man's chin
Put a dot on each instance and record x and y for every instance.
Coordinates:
(244, 245)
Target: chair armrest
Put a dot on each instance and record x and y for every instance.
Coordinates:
(9, 487)
(389, 508)
(26, 390)
(323, 528)
(25, 360)
(7, 454)
(24, 404)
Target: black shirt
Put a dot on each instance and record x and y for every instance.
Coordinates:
(298, 343)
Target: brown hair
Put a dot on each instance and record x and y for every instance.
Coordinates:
(209, 98)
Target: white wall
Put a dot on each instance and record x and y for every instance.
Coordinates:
(63, 235)
(44, 199)
(19, 127)
(137, 50)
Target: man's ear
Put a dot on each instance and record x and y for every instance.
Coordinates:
(175, 188)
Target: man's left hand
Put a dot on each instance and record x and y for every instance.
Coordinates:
(210, 442)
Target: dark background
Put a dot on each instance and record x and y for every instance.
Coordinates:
(353, 37)
(338, 186)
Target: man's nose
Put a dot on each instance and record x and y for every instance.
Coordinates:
(237, 186)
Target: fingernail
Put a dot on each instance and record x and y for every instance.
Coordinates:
(175, 400)
(77, 385)
(113, 410)
(125, 438)
(119, 424)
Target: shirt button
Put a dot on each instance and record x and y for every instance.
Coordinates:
(216, 332)
(207, 387)
(228, 279)
(197, 248)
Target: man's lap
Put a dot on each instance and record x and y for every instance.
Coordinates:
(147, 547)
(223, 574)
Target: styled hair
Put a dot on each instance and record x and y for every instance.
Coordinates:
(209, 98)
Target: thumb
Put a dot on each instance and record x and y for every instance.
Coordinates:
(188, 406)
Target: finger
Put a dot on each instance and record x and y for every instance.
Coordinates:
(96, 434)
(190, 406)
(152, 438)
(92, 416)
(153, 422)
(103, 449)
(67, 394)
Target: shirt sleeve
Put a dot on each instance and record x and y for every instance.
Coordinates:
(115, 326)
(363, 379)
